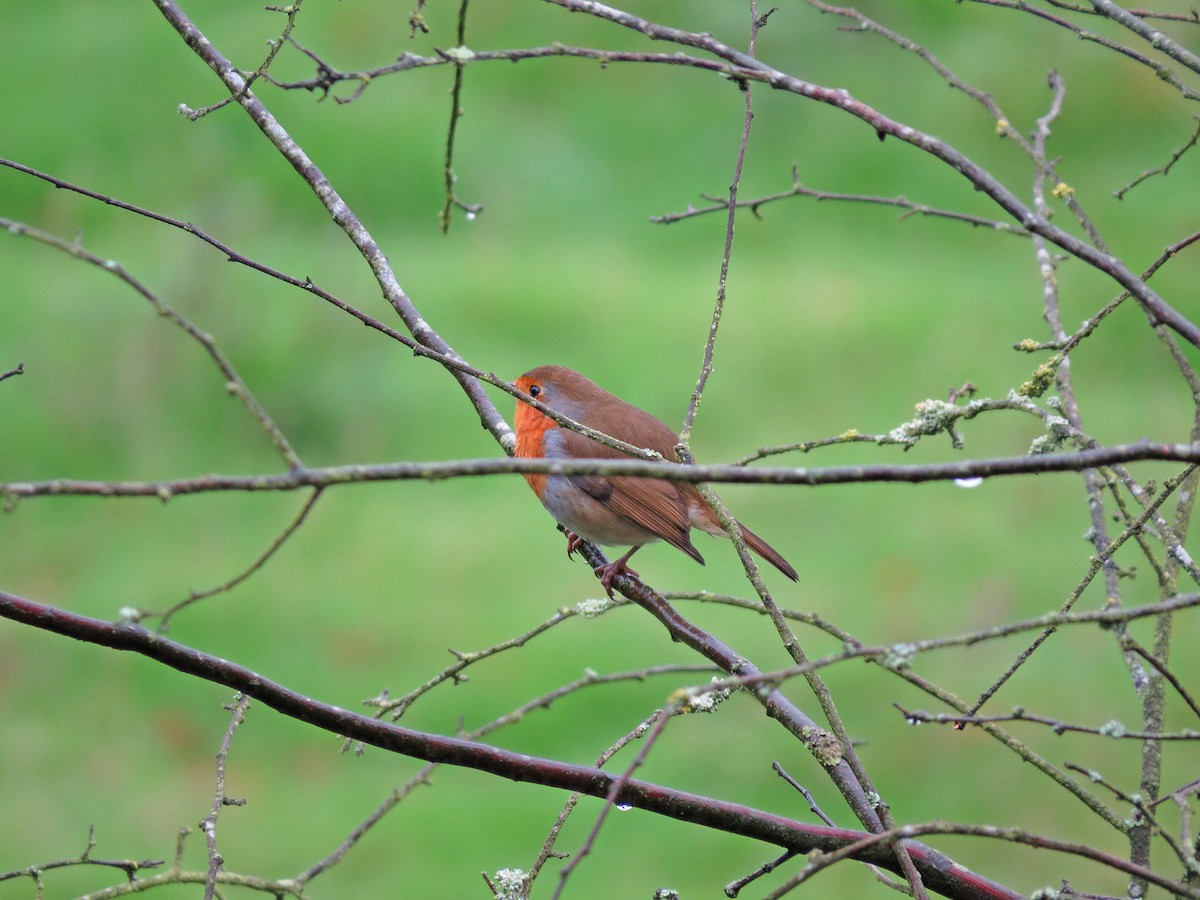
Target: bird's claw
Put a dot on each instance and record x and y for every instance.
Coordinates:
(573, 542)
(608, 572)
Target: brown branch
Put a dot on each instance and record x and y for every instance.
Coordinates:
(230, 254)
(230, 584)
(1164, 169)
(994, 467)
(654, 726)
(706, 365)
(339, 210)
(1014, 835)
(292, 10)
(824, 746)
(234, 384)
(937, 872)
(510, 718)
(129, 866)
(1112, 730)
(750, 68)
(1161, 42)
(718, 204)
(1192, 18)
(220, 798)
(1164, 73)
(449, 176)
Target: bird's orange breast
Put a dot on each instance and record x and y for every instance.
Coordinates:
(531, 427)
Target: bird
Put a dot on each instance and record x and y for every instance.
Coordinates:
(622, 510)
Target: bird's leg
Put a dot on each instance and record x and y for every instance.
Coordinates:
(608, 572)
(573, 542)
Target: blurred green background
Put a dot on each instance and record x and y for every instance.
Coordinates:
(839, 316)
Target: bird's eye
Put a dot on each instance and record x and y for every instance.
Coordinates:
(535, 390)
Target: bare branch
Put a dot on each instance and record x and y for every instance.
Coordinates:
(1165, 73)
(234, 385)
(458, 57)
(208, 824)
(884, 127)
(953, 881)
(341, 213)
(276, 544)
(1164, 169)
(129, 866)
(911, 208)
(1155, 38)
(996, 467)
(1113, 730)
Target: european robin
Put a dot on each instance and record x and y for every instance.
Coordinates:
(624, 511)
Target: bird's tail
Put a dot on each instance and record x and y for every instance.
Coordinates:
(769, 553)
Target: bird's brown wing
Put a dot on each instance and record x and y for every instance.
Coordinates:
(650, 503)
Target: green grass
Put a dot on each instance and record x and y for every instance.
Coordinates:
(838, 317)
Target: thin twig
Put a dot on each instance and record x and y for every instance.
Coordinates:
(735, 887)
(1099, 562)
(450, 177)
(1144, 811)
(342, 214)
(1163, 169)
(653, 726)
(1114, 730)
(1192, 18)
(1160, 41)
(292, 10)
(1128, 643)
(437, 470)
(129, 866)
(752, 69)
(513, 717)
(1164, 73)
(264, 557)
(898, 657)
(208, 824)
(804, 792)
(820, 862)
(234, 384)
(718, 204)
(706, 365)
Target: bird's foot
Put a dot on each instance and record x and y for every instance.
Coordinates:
(573, 542)
(610, 571)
